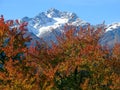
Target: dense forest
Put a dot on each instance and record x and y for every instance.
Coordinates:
(77, 62)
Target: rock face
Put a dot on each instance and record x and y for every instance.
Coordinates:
(43, 25)
(111, 36)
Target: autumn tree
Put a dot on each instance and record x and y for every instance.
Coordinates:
(76, 62)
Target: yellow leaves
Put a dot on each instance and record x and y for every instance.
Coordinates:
(84, 86)
(50, 86)
(19, 79)
(50, 72)
(1, 33)
(115, 81)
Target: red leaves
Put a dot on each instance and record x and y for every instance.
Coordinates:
(43, 65)
(17, 21)
(16, 41)
(23, 25)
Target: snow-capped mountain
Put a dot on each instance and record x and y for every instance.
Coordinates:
(43, 25)
(111, 36)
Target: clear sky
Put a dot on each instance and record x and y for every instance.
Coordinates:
(93, 11)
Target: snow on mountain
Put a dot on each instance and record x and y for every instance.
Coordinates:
(49, 28)
(43, 24)
(111, 36)
(112, 26)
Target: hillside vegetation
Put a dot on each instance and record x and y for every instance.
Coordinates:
(77, 62)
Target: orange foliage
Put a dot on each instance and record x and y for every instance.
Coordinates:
(77, 62)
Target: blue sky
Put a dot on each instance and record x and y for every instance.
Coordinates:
(93, 11)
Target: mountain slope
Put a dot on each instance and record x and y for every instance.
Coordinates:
(43, 25)
(111, 36)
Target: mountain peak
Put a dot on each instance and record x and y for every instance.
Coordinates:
(53, 12)
(111, 36)
(113, 26)
(44, 23)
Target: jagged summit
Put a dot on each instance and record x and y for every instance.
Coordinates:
(51, 19)
(53, 13)
(43, 24)
(49, 15)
